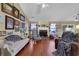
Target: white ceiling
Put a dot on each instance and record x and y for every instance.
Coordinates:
(52, 11)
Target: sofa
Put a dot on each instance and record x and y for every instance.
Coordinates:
(13, 44)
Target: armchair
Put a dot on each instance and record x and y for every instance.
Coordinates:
(74, 49)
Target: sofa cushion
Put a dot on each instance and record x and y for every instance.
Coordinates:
(13, 38)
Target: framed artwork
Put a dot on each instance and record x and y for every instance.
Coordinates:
(22, 27)
(12, 4)
(17, 23)
(22, 17)
(15, 12)
(17, 28)
(2, 33)
(7, 8)
(9, 22)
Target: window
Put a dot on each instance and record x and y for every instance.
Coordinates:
(52, 28)
(33, 26)
(68, 27)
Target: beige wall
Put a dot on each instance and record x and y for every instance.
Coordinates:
(2, 15)
(27, 25)
(58, 24)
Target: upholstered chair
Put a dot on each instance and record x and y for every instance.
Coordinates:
(74, 49)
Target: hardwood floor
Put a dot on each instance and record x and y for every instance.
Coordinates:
(44, 47)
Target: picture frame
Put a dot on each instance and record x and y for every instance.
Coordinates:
(22, 27)
(3, 32)
(17, 23)
(22, 17)
(9, 23)
(7, 8)
(17, 29)
(0, 33)
(15, 12)
(12, 4)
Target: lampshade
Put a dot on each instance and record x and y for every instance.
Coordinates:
(77, 26)
(43, 5)
(67, 29)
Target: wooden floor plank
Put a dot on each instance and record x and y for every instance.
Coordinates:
(44, 47)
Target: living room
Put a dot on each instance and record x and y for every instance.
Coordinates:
(31, 29)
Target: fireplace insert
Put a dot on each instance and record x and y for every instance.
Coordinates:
(43, 33)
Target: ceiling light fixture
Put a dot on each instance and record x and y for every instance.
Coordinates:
(77, 26)
(76, 17)
(43, 5)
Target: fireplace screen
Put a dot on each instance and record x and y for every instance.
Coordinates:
(43, 33)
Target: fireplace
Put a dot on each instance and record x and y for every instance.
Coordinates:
(43, 33)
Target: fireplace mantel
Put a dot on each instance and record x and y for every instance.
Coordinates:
(44, 28)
